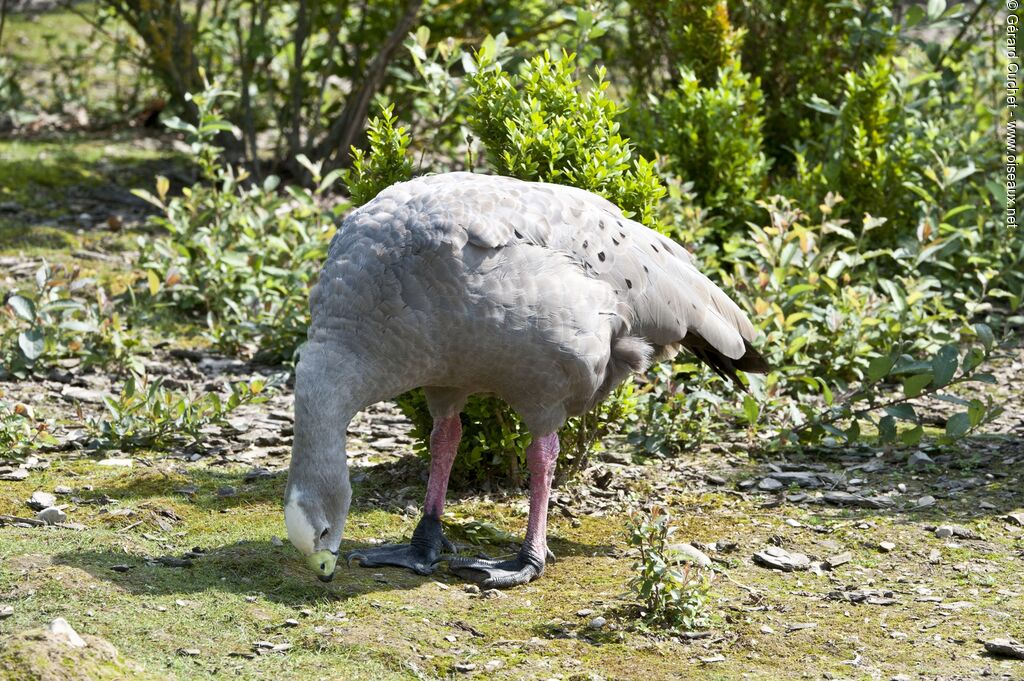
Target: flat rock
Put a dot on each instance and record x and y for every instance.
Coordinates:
(769, 485)
(1005, 647)
(837, 560)
(919, 460)
(73, 393)
(1017, 518)
(780, 559)
(40, 500)
(687, 553)
(63, 632)
(116, 463)
(13, 474)
(52, 516)
(839, 498)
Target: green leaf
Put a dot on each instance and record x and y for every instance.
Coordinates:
(23, 307)
(904, 412)
(913, 436)
(944, 365)
(915, 13)
(985, 335)
(750, 409)
(881, 366)
(913, 385)
(935, 9)
(886, 429)
(958, 425)
(31, 343)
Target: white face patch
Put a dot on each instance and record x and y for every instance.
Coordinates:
(300, 531)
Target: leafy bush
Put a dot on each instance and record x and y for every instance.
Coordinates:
(665, 35)
(147, 415)
(540, 126)
(673, 592)
(710, 135)
(20, 431)
(66, 316)
(387, 164)
(241, 255)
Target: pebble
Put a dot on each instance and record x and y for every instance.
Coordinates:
(1005, 647)
(919, 460)
(598, 623)
(471, 589)
(116, 463)
(62, 630)
(886, 546)
(41, 500)
(1017, 518)
(781, 559)
(687, 553)
(62, 490)
(926, 501)
(943, 531)
(464, 667)
(769, 485)
(493, 665)
(838, 559)
(492, 593)
(6, 611)
(52, 515)
(585, 612)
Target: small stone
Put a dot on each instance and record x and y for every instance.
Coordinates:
(765, 629)
(687, 553)
(1017, 518)
(598, 623)
(585, 612)
(441, 585)
(1005, 647)
(226, 491)
(491, 593)
(838, 559)
(781, 559)
(769, 485)
(935, 557)
(902, 487)
(886, 546)
(6, 611)
(52, 515)
(62, 490)
(121, 568)
(41, 500)
(276, 541)
(13, 474)
(471, 589)
(919, 460)
(493, 665)
(943, 531)
(464, 667)
(64, 632)
(926, 501)
(116, 463)
(793, 522)
(189, 652)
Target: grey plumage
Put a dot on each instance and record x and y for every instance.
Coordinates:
(542, 294)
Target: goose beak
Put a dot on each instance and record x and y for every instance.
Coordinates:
(323, 564)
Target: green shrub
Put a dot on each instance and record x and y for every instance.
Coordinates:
(63, 316)
(665, 35)
(711, 136)
(673, 592)
(387, 164)
(539, 125)
(147, 415)
(20, 431)
(239, 255)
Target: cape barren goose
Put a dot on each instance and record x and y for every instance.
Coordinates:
(544, 295)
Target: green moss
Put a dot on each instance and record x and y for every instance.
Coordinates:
(36, 238)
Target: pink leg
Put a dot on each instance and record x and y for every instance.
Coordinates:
(541, 457)
(444, 445)
(424, 550)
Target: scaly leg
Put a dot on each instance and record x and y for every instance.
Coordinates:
(422, 553)
(541, 456)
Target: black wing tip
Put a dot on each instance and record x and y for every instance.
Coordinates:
(751, 362)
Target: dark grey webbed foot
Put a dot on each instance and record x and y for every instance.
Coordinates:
(498, 574)
(421, 554)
